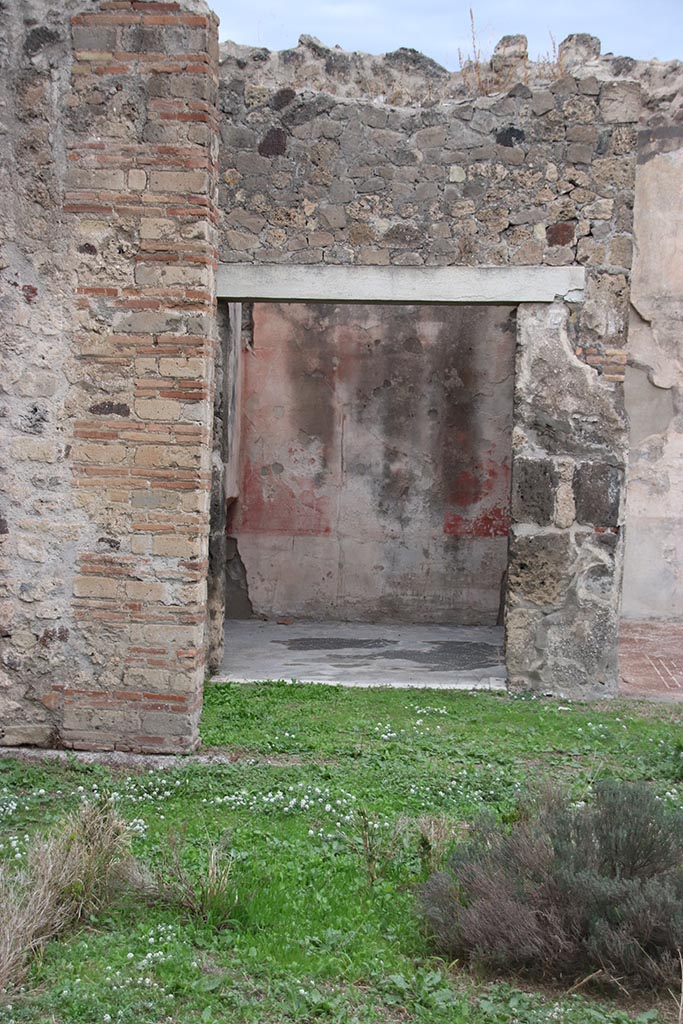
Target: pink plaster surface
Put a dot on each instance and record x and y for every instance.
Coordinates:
(375, 461)
(651, 660)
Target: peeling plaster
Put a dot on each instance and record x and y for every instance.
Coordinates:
(653, 567)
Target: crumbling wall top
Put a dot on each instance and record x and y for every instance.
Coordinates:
(406, 77)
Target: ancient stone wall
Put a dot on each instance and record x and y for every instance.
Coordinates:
(39, 526)
(389, 201)
(325, 161)
(540, 175)
(115, 116)
(108, 267)
(566, 543)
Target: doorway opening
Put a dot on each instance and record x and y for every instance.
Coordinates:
(366, 464)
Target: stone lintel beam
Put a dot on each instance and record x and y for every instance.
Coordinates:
(400, 284)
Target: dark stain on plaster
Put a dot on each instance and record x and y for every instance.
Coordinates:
(435, 656)
(338, 64)
(561, 233)
(311, 369)
(411, 60)
(108, 408)
(4, 527)
(111, 543)
(308, 109)
(88, 249)
(386, 379)
(33, 421)
(30, 293)
(510, 136)
(330, 643)
(49, 636)
(38, 38)
(273, 143)
(282, 98)
(468, 343)
(623, 66)
(655, 141)
(397, 399)
(451, 387)
(521, 91)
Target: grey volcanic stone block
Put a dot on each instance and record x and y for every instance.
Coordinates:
(534, 482)
(597, 491)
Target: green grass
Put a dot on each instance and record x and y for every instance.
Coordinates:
(311, 939)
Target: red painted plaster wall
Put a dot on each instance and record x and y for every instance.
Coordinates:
(375, 461)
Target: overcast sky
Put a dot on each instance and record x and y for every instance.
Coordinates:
(634, 28)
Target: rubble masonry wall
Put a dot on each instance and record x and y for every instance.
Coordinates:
(108, 263)
(133, 159)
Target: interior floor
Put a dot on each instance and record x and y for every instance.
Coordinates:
(360, 654)
(651, 660)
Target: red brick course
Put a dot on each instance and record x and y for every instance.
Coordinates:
(153, 588)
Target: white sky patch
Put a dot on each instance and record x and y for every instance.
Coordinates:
(439, 28)
(342, 11)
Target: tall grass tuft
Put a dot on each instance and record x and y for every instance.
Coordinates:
(208, 895)
(65, 876)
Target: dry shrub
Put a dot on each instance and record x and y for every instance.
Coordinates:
(435, 834)
(482, 78)
(376, 843)
(569, 890)
(550, 64)
(64, 876)
(475, 67)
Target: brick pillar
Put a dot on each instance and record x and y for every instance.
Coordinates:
(142, 148)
